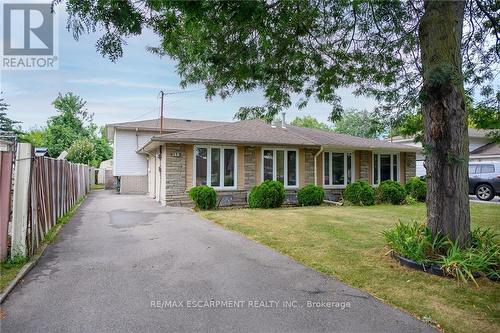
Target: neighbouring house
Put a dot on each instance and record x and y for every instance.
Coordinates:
(6, 145)
(234, 157)
(105, 174)
(130, 169)
(480, 148)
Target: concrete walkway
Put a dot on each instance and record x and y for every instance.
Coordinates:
(125, 264)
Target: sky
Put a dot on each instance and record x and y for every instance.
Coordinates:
(128, 89)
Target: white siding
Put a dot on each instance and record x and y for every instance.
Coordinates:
(126, 162)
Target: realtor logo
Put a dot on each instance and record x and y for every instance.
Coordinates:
(29, 41)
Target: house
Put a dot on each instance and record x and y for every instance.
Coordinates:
(130, 169)
(6, 145)
(234, 157)
(480, 148)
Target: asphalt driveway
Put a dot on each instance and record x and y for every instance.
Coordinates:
(126, 264)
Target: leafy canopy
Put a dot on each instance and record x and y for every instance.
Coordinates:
(360, 123)
(71, 129)
(310, 122)
(293, 50)
(7, 124)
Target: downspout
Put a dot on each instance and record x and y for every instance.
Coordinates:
(316, 166)
(152, 172)
(136, 138)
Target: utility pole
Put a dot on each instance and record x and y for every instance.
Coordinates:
(161, 112)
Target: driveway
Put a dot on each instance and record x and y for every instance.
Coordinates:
(126, 264)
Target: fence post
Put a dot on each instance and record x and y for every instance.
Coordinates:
(22, 177)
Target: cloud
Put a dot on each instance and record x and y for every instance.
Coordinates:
(119, 83)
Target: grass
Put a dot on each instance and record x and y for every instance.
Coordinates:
(97, 187)
(347, 243)
(9, 270)
(11, 267)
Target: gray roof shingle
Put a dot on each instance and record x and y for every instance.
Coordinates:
(486, 150)
(257, 132)
(169, 124)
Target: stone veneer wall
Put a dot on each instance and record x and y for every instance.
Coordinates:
(410, 166)
(174, 157)
(175, 175)
(134, 184)
(250, 165)
(309, 166)
(364, 164)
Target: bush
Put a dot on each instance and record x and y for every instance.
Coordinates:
(310, 195)
(409, 200)
(416, 242)
(269, 194)
(204, 197)
(390, 191)
(359, 193)
(417, 188)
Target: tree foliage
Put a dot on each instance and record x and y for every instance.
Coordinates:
(301, 48)
(310, 122)
(71, 129)
(82, 151)
(71, 123)
(360, 123)
(35, 136)
(7, 124)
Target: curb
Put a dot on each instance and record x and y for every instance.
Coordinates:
(22, 273)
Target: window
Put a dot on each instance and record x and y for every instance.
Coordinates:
(472, 168)
(215, 166)
(487, 168)
(281, 165)
(337, 168)
(385, 167)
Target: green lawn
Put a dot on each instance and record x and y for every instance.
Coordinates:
(347, 243)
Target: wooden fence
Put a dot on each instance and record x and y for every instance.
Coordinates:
(6, 160)
(44, 190)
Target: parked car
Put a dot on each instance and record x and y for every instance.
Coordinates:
(484, 180)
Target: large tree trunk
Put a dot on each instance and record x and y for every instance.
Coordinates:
(445, 142)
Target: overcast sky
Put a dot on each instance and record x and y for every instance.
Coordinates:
(126, 90)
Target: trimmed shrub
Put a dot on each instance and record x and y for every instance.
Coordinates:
(204, 197)
(417, 188)
(359, 193)
(269, 194)
(390, 191)
(310, 195)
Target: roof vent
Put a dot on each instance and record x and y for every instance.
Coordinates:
(188, 120)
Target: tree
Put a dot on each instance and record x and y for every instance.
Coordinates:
(103, 150)
(253, 112)
(82, 151)
(310, 122)
(35, 136)
(359, 123)
(486, 114)
(6, 124)
(71, 123)
(389, 50)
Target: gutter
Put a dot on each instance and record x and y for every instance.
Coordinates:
(316, 166)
